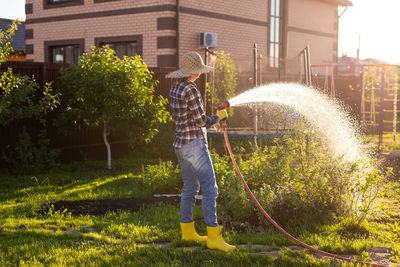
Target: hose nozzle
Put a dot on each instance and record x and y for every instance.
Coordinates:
(224, 105)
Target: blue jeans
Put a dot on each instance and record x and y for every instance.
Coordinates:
(197, 171)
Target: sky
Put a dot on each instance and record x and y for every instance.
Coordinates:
(376, 22)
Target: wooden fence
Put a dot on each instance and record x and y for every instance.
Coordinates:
(88, 141)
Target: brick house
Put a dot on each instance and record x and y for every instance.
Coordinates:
(161, 31)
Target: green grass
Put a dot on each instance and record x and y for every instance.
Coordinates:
(388, 144)
(29, 238)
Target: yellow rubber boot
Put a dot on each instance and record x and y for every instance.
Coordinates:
(189, 233)
(216, 241)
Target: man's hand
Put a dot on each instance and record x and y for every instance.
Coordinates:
(222, 114)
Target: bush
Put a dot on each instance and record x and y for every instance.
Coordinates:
(394, 240)
(233, 202)
(295, 179)
(161, 145)
(22, 100)
(163, 178)
(30, 156)
(225, 79)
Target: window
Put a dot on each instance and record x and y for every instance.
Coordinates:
(102, 1)
(130, 45)
(123, 48)
(64, 51)
(61, 3)
(65, 54)
(274, 33)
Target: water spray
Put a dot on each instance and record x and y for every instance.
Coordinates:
(225, 105)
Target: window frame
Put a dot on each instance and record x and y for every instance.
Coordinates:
(274, 62)
(103, 1)
(99, 41)
(65, 56)
(48, 4)
(48, 45)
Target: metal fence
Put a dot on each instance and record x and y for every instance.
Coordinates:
(49, 72)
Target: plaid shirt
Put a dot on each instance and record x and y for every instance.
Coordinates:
(188, 113)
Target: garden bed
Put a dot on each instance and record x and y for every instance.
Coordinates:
(103, 206)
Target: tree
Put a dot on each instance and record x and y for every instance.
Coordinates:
(5, 40)
(21, 98)
(225, 79)
(116, 93)
(19, 95)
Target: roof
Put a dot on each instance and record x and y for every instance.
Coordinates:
(339, 2)
(18, 41)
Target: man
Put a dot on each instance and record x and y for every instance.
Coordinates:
(192, 151)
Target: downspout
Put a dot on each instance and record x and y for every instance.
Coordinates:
(337, 33)
(177, 32)
(284, 36)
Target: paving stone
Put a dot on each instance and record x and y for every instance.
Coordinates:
(89, 228)
(73, 232)
(394, 154)
(157, 245)
(378, 250)
(191, 248)
(244, 246)
(274, 253)
(296, 248)
(175, 195)
(378, 255)
(166, 195)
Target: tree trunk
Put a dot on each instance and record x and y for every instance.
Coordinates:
(105, 134)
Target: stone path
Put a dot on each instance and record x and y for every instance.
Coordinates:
(378, 255)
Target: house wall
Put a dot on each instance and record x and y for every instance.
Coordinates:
(237, 32)
(238, 25)
(57, 24)
(313, 23)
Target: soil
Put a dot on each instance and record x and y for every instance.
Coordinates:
(101, 207)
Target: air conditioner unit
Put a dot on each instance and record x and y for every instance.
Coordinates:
(208, 39)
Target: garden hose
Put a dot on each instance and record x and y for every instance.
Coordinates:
(334, 256)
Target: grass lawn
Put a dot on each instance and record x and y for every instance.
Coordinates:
(56, 238)
(388, 144)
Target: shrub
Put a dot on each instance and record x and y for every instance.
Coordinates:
(29, 156)
(365, 189)
(161, 145)
(233, 202)
(225, 79)
(164, 177)
(296, 181)
(22, 100)
(394, 240)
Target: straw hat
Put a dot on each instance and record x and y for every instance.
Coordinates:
(192, 63)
